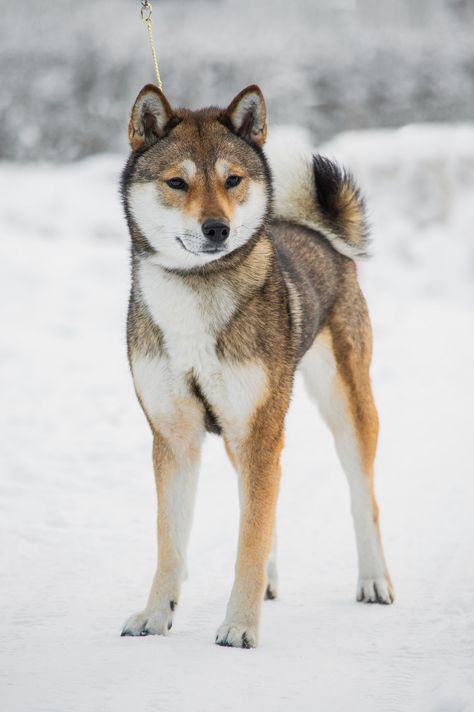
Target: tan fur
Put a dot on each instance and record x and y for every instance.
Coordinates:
(164, 464)
(353, 361)
(203, 199)
(258, 461)
(352, 215)
(353, 384)
(212, 201)
(352, 346)
(247, 320)
(351, 400)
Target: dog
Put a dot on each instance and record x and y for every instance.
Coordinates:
(241, 274)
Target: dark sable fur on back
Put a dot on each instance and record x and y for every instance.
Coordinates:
(286, 279)
(315, 271)
(309, 265)
(217, 345)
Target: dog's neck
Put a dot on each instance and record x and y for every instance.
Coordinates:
(245, 270)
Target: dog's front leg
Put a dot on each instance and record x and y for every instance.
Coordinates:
(259, 472)
(176, 473)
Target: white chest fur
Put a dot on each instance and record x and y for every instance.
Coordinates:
(191, 321)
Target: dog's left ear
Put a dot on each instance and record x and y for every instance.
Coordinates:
(248, 115)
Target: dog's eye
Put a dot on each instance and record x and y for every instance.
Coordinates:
(233, 181)
(177, 184)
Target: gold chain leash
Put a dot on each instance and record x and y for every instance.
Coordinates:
(146, 13)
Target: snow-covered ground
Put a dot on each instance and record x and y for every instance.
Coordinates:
(77, 495)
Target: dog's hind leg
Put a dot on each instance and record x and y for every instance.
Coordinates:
(336, 372)
(271, 590)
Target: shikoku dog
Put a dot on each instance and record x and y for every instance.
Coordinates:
(238, 280)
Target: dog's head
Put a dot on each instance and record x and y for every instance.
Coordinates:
(197, 184)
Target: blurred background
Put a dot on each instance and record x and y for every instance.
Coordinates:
(70, 70)
(387, 88)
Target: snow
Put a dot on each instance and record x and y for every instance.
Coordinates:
(77, 494)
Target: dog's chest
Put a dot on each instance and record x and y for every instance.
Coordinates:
(189, 319)
(190, 323)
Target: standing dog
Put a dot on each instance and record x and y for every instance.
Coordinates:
(237, 280)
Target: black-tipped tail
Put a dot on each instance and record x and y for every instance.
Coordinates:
(340, 207)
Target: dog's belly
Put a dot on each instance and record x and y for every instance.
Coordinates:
(169, 383)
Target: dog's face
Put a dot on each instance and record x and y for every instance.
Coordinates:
(199, 187)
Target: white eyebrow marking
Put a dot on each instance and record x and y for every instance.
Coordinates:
(222, 168)
(189, 168)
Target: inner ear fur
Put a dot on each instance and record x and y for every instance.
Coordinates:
(151, 113)
(248, 115)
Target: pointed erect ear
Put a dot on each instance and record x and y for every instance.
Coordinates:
(248, 115)
(150, 115)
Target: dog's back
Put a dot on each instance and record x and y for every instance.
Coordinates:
(314, 274)
(232, 290)
(318, 228)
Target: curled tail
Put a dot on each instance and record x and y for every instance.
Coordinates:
(319, 194)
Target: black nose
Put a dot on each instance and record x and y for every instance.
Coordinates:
(215, 230)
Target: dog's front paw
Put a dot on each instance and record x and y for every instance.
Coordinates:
(375, 590)
(236, 635)
(150, 622)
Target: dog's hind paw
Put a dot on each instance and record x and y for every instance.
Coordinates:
(155, 622)
(375, 590)
(271, 591)
(237, 636)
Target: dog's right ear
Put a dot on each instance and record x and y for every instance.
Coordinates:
(150, 115)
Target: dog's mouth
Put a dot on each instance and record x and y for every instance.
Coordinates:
(212, 250)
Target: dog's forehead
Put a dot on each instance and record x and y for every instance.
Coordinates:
(200, 144)
(202, 139)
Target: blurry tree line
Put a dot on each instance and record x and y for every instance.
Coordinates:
(70, 70)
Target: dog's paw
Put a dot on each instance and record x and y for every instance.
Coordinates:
(235, 635)
(375, 590)
(155, 622)
(271, 591)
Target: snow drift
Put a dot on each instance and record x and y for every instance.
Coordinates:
(77, 495)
